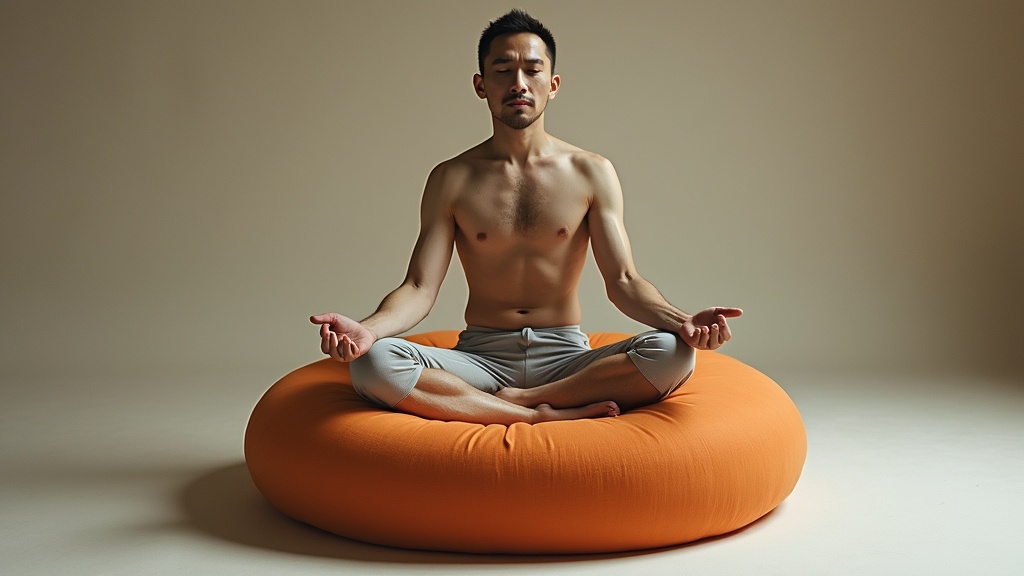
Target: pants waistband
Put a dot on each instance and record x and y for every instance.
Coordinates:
(575, 328)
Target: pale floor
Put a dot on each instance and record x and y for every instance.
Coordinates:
(904, 475)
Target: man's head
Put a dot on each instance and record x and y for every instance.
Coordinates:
(517, 62)
(516, 21)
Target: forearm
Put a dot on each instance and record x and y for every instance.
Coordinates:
(640, 300)
(400, 310)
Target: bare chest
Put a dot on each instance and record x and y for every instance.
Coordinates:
(521, 209)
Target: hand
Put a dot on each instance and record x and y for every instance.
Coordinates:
(707, 329)
(343, 338)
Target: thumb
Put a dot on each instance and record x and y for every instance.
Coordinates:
(688, 334)
(322, 318)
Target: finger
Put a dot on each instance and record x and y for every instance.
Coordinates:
(351, 349)
(325, 341)
(341, 348)
(729, 312)
(334, 347)
(702, 342)
(686, 333)
(320, 319)
(715, 338)
(726, 332)
(344, 346)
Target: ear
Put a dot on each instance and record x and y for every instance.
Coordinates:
(478, 86)
(556, 81)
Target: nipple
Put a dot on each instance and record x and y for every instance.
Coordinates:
(563, 232)
(481, 236)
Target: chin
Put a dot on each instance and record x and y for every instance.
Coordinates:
(517, 121)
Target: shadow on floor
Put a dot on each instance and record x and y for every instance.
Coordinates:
(224, 503)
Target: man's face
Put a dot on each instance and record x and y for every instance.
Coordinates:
(517, 80)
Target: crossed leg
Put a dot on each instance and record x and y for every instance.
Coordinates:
(614, 377)
(601, 389)
(441, 395)
(634, 372)
(434, 383)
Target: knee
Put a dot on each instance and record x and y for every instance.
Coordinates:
(382, 374)
(669, 361)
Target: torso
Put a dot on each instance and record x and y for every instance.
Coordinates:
(521, 235)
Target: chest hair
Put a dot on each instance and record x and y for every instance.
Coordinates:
(527, 204)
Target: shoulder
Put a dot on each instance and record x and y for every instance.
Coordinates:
(455, 172)
(449, 177)
(447, 170)
(591, 166)
(596, 172)
(449, 181)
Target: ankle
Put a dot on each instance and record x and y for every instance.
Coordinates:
(545, 413)
(518, 396)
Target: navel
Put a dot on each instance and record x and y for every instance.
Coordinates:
(523, 311)
(481, 236)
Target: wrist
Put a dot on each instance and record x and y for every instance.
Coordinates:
(678, 319)
(373, 331)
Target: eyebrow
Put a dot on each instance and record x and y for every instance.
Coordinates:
(504, 60)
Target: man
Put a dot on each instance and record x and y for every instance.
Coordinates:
(521, 208)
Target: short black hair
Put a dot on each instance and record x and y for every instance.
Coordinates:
(512, 23)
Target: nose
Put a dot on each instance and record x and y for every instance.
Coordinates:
(519, 86)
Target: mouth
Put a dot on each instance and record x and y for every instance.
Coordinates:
(519, 103)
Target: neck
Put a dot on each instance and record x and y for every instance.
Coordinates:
(518, 146)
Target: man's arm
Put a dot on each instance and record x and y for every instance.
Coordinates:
(410, 303)
(345, 339)
(628, 291)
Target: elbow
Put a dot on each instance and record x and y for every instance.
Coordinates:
(426, 293)
(619, 287)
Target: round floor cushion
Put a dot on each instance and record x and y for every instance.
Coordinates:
(720, 452)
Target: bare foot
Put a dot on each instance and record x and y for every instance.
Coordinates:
(545, 413)
(516, 396)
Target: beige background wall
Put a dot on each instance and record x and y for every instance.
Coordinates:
(183, 183)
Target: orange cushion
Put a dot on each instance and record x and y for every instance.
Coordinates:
(720, 452)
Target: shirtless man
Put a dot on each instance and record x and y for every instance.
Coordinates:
(521, 208)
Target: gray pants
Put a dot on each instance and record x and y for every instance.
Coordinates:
(491, 359)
